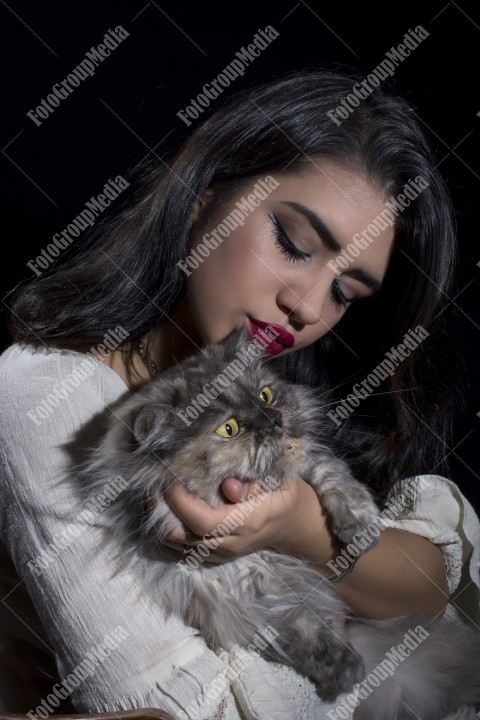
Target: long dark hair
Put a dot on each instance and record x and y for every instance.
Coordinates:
(127, 272)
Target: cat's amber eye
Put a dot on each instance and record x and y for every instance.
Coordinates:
(266, 395)
(228, 429)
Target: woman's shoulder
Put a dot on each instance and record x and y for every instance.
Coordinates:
(40, 379)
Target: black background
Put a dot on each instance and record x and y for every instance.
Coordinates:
(115, 118)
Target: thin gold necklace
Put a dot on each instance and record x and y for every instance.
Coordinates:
(149, 363)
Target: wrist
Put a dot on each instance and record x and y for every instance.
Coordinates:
(308, 536)
(339, 574)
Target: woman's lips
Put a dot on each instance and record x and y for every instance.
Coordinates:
(283, 339)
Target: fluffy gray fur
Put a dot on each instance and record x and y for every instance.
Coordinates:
(149, 445)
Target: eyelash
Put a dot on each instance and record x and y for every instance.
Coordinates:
(284, 243)
(337, 296)
(293, 254)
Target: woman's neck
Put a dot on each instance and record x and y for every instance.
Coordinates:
(175, 340)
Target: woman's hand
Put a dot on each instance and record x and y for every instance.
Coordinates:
(403, 574)
(288, 519)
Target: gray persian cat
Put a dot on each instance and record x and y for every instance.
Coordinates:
(261, 427)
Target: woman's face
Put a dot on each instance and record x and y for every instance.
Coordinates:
(275, 267)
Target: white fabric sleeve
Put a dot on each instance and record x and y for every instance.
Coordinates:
(433, 506)
(92, 611)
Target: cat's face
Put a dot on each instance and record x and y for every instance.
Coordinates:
(258, 426)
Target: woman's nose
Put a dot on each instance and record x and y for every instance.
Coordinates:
(307, 306)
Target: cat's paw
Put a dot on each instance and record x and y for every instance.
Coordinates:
(352, 522)
(350, 510)
(334, 667)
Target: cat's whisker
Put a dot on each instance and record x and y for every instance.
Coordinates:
(374, 394)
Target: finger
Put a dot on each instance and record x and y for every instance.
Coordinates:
(213, 558)
(199, 517)
(235, 490)
(179, 535)
(214, 555)
(217, 560)
(174, 545)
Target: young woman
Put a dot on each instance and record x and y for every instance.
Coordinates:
(275, 211)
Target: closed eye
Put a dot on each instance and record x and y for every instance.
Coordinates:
(337, 296)
(284, 243)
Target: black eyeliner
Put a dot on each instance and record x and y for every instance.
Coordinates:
(286, 244)
(337, 295)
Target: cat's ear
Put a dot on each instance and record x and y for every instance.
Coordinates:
(152, 419)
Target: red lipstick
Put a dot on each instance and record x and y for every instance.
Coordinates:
(279, 339)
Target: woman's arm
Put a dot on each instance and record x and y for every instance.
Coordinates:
(92, 609)
(403, 574)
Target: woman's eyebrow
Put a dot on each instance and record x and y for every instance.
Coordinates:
(364, 277)
(327, 237)
(318, 225)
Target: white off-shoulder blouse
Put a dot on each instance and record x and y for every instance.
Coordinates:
(75, 600)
